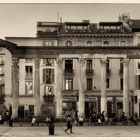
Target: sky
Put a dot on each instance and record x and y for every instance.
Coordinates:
(19, 19)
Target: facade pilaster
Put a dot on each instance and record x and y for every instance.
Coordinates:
(15, 86)
(126, 86)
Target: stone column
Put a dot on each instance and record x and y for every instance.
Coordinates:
(37, 87)
(15, 86)
(126, 86)
(59, 84)
(81, 102)
(103, 86)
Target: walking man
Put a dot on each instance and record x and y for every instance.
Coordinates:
(69, 124)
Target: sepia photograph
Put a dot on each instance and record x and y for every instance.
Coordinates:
(69, 70)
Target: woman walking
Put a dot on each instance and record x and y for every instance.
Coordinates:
(69, 124)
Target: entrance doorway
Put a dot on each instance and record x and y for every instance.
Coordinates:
(109, 108)
(90, 107)
(21, 111)
(119, 109)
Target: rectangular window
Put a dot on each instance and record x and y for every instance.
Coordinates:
(1, 59)
(48, 62)
(48, 76)
(28, 87)
(121, 83)
(31, 110)
(48, 90)
(1, 70)
(107, 66)
(29, 72)
(1, 80)
(69, 66)
(121, 66)
(48, 43)
(89, 84)
(138, 63)
(69, 84)
(89, 65)
(1, 90)
(107, 83)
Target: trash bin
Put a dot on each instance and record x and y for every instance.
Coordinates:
(51, 129)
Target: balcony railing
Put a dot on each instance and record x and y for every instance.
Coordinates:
(69, 72)
(89, 72)
(29, 77)
(48, 98)
(70, 95)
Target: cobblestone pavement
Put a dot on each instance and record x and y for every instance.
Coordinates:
(85, 131)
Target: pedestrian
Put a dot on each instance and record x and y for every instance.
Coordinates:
(47, 121)
(81, 121)
(33, 121)
(69, 124)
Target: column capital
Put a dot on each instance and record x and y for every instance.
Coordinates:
(81, 61)
(126, 61)
(59, 61)
(37, 61)
(15, 61)
(103, 60)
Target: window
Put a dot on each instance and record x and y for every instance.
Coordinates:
(1, 90)
(89, 84)
(107, 66)
(138, 63)
(88, 43)
(122, 43)
(68, 106)
(106, 43)
(68, 66)
(31, 110)
(1, 70)
(29, 71)
(121, 66)
(107, 83)
(68, 43)
(48, 90)
(89, 65)
(1, 80)
(1, 59)
(48, 62)
(48, 76)
(28, 88)
(48, 43)
(69, 84)
(121, 83)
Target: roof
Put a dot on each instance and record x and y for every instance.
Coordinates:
(110, 23)
(5, 42)
(77, 23)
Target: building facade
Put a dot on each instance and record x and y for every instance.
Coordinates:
(71, 66)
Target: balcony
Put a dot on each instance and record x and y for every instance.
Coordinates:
(108, 71)
(70, 95)
(48, 98)
(69, 72)
(89, 72)
(29, 77)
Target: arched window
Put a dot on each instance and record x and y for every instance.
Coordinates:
(88, 43)
(68, 43)
(122, 43)
(106, 43)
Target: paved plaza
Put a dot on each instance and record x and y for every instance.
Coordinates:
(85, 131)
